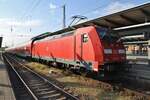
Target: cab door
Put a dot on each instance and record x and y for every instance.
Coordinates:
(78, 47)
(80, 40)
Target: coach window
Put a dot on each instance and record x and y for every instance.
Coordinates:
(85, 37)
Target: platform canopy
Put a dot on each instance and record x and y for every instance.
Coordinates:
(132, 16)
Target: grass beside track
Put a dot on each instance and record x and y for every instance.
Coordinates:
(85, 88)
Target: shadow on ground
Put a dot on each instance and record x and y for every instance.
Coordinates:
(5, 85)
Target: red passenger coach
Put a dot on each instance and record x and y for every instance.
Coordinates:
(88, 48)
(22, 51)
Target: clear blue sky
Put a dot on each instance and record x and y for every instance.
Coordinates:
(46, 15)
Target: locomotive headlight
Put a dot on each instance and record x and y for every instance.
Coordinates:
(108, 51)
(121, 51)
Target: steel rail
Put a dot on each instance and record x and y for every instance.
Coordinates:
(28, 88)
(46, 80)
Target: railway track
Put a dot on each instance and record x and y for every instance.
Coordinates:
(37, 87)
(21, 92)
(137, 78)
(128, 86)
(120, 86)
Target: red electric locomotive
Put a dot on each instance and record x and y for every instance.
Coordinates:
(89, 48)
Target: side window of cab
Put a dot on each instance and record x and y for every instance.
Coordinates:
(84, 37)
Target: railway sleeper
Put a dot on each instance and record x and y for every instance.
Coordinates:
(54, 96)
(62, 98)
(36, 84)
(50, 92)
(38, 87)
(41, 90)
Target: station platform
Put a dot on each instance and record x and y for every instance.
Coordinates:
(6, 91)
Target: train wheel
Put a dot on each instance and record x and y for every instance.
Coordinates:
(54, 64)
(83, 71)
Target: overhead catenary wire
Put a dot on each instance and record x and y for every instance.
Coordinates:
(86, 12)
(27, 13)
(90, 11)
(38, 2)
(32, 8)
(27, 7)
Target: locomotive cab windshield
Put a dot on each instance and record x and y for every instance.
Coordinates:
(113, 48)
(106, 35)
